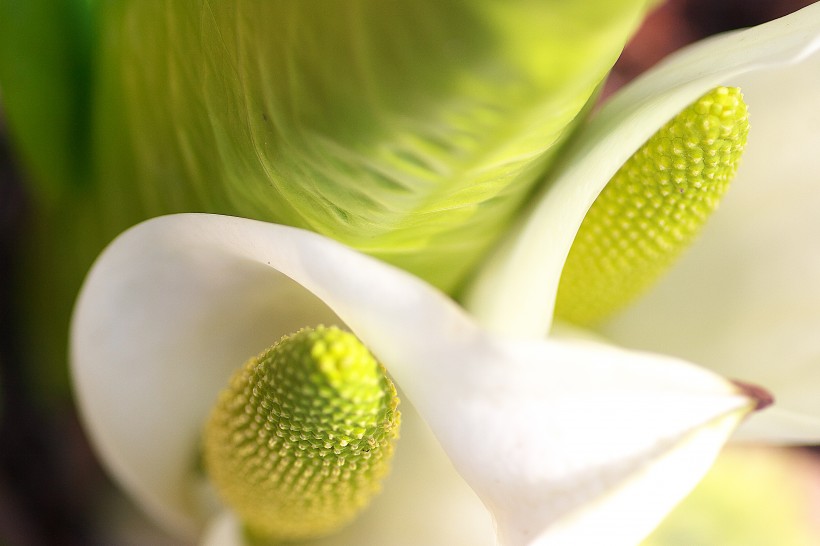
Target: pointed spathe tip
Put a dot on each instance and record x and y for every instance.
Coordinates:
(760, 396)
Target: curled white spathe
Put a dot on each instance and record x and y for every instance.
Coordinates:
(176, 303)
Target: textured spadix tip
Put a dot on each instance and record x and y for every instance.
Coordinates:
(653, 207)
(302, 437)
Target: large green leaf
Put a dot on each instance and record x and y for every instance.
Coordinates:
(410, 130)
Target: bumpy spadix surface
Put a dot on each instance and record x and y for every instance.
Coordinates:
(653, 207)
(302, 437)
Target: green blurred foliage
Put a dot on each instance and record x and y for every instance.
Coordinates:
(412, 131)
(751, 497)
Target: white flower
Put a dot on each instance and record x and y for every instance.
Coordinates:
(745, 300)
(564, 439)
(537, 428)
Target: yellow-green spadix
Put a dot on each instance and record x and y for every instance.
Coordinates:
(653, 207)
(300, 440)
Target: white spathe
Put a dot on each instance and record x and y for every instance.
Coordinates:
(745, 300)
(549, 434)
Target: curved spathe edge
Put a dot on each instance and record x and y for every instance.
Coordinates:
(174, 304)
(515, 291)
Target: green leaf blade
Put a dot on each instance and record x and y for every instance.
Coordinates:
(410, 131)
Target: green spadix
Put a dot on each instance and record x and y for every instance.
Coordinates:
(653, 207)
(302, 437)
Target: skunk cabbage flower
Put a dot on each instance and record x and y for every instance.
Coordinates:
(562, 437)
(743, 301)
(746, 300)
(550, 434)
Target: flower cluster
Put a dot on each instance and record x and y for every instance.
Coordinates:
(512, 417)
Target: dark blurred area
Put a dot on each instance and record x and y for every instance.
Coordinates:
(48, 475)
(675, 23)
(50, 482)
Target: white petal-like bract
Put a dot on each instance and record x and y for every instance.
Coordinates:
(550, 434)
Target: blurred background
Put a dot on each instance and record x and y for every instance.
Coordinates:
(53, 491)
